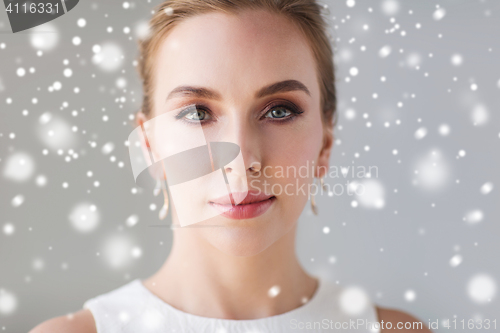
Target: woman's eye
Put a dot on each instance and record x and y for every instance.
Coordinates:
(197, 115)
(278, 112)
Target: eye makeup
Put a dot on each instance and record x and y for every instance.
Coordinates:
(200, 113)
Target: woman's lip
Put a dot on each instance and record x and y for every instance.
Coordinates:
(244, 211)
(241, 198)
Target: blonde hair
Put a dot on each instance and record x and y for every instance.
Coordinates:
(306, 14)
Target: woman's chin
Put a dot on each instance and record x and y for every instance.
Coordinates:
(243, 248)
(244, 238)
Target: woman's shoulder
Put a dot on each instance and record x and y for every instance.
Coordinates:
(399, 320)
(79, 322)
(95, 311)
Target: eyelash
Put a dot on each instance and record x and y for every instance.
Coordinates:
(185, 111)
(294, 112)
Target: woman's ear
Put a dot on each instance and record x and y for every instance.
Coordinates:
(140, 119)
(324, 154)
(147, 152)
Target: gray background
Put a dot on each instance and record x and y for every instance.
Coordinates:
(50, 268)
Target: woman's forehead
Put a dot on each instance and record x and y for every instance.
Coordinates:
(247, 26)
(244, 50)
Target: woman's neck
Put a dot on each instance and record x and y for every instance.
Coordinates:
(200, 279)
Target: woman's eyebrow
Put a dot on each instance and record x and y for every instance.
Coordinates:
(188, 91)
(282, 86)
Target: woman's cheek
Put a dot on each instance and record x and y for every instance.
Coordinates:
(290, 172)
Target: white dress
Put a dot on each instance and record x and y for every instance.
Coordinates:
(132, 308)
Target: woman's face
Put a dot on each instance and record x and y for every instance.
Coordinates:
(240, 59)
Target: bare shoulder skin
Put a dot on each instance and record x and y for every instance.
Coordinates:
(78, 322)
(394, 317)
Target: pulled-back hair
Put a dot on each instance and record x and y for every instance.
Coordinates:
(306, 14)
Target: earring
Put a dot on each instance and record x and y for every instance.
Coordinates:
(164, 210)
(314, 208)
(157, 189)
(322, 182)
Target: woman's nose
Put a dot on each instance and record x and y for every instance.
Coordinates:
(255, 167)
(248, 140)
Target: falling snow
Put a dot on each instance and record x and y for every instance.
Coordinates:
(417, 99)
(474, 216)
(19, 167)
(84, 217)
(390, 7)
(353, 300)
(439, 14)
(45, 37)
(109, 57)
(482, 288)
(486, 188)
